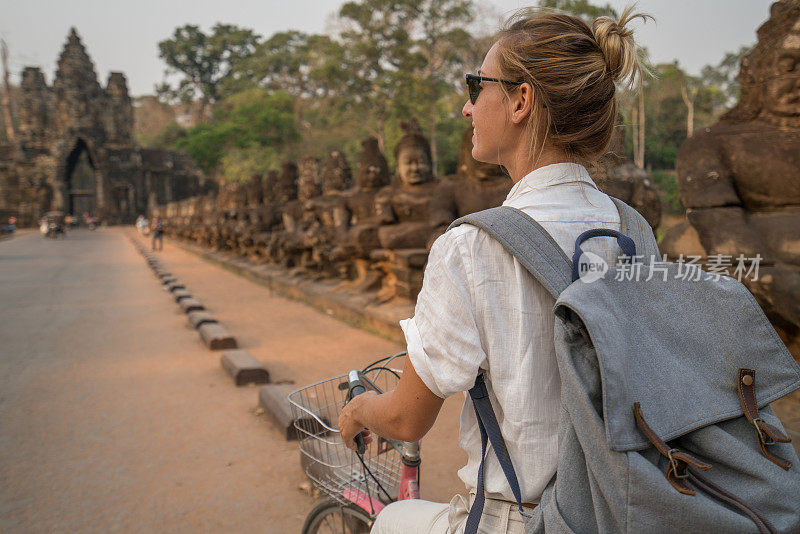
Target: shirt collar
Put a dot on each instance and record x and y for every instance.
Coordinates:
(550, 176)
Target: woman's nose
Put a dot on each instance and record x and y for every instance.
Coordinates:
(466, 111)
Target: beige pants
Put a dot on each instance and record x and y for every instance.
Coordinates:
(412, 516)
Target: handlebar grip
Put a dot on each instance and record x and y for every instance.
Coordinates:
(356, 388)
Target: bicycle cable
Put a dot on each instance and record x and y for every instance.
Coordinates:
(373, 478)
(366, 484)
(387, 358)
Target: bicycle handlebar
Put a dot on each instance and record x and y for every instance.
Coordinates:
(356, 388)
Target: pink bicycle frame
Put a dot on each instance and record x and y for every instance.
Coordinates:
(409, 483)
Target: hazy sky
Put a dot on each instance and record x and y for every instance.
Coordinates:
(122, 35)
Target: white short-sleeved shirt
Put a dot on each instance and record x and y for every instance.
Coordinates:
(480, 309)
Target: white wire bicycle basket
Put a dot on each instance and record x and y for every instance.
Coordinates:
(331, 466)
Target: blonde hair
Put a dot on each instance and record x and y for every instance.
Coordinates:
(573, 70)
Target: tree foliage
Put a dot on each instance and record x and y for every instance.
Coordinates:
(580, 8)
(203, 61)
(294, 94)
(255, 118)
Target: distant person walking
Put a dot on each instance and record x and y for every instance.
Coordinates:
(158, 233)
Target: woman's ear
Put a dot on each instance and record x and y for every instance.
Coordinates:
(521, 103)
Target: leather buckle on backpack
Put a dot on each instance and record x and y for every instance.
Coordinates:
(762, 436)
(766, 433)
(679, 462)
(674, 463)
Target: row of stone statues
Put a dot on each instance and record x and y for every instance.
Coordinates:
(373, 231)
(739, 181)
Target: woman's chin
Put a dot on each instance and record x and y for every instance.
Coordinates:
(482, 158)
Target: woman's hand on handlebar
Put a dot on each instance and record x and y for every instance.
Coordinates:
(349, 424)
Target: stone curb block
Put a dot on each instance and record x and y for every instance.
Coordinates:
(273, 400)
(191, 305)
(199, 317)
(354, 310)
(244, 368)
(173, 285)
(216, 337)
(181, 294)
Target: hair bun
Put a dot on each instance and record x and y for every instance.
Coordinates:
(618, 47)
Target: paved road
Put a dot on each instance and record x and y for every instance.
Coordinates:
(115, 418)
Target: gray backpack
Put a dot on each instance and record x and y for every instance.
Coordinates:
(665, 390)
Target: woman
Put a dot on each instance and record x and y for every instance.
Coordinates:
(543, 104)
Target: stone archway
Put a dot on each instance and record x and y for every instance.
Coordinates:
(80, 180)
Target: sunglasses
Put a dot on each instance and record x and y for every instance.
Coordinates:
(474, 85)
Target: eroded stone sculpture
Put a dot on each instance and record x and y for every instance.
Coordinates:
(740, 179)
(476, 186)
(405, 210)
(360, 235)
(329, 213)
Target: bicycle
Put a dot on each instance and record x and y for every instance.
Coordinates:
(355, 482)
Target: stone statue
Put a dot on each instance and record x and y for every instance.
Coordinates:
(330, 215)
(739, 180)
(309, 180)
(404, 207)
(270, 217)
(255, 191)
(290, 243)
(406, 213)
(476, 186)
(362, 221)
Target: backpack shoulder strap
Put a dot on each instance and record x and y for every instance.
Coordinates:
(633, 225)
(526, 240)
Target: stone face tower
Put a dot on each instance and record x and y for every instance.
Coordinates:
(76, 151)
(78, 96)
(35, 109)
(119, 116)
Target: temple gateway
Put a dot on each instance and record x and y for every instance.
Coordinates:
(75, 151)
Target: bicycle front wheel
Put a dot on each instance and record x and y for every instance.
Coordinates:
(331, 517)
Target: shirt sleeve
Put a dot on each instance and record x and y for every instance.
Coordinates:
(443, 341)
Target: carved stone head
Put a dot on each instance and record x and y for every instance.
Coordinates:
(770, 74)
(372, 171)
(308, 184)
(286, 185)
(471, 168)
(413, 154)
(255, 190)
(336, 174)
(268, 185)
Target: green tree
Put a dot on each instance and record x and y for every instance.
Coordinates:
(580, 8)
(256, 118)
(304, 65)
(724, 76)
(381, 58)
(203, 61)
(168, 137)
(240, 164)
(443, 41)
